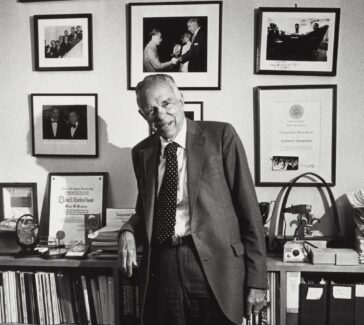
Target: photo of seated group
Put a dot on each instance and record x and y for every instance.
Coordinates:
(65, 122)
(60, 40)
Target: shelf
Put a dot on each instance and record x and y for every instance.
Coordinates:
(275, 263)
(6, 261)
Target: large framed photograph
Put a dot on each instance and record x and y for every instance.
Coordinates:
(17, 199)
(77, 205)
(182, 39)
(299, 41)
(64, 125)
(63, 42)
(295, 133)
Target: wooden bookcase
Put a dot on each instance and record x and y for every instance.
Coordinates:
(34, 264)
(276, 264)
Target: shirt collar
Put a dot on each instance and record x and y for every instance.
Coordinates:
(180, 138)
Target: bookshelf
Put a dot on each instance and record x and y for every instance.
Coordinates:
(87, 266)
(276, 264)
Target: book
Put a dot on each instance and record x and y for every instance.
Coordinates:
(110, 290)
(96, 299)
(104, 298)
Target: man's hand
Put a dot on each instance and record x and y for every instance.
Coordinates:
(175, 60)
(127, 252)
(254, 302)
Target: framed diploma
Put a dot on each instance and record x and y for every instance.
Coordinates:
(295, 133)
(17, 199)
(77, 205)
(298, 41)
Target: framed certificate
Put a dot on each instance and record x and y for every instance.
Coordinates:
(17, 199)
(295, 133)
(77, 203)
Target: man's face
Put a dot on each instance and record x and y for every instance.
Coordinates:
(53, 43)
(79, 28)
(192, 26)
(73, 117)
(55, 114)
(66, 33)
(158, 38)
(72, 29)
(162, 108)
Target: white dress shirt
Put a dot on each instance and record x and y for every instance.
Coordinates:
(73, 129)
(54, 126)
(183, 222)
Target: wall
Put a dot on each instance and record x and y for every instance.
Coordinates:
(121, 126)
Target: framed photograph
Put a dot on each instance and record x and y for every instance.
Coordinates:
(17, 199)
(63, 42)
(77, 205)
(298, 41)
(64, 125)
(182, 39)
(295, 133)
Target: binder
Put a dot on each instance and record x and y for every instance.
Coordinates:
(313, 304)
(341, 304)
(359, 304)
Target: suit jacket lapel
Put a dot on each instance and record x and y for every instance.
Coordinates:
(150, 157)
(195, 157)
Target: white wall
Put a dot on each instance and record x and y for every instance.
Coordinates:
(120, 125)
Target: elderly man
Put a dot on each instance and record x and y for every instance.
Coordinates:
(54, 127)
(196, 215)
(197, 55)
(151, 57)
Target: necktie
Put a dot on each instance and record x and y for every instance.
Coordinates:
(165, 212)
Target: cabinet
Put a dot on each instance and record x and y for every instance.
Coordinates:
(276, 264)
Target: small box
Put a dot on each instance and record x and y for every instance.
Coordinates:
(346, 256)
(322, 256)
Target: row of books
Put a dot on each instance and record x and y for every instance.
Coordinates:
(48, 298)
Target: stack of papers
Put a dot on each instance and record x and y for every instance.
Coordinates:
(356, 199)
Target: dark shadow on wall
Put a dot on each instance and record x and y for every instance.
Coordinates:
(112, 159)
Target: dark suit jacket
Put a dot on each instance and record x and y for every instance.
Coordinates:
(48, 130)
(225, 218)
(197, 55)
(80, 133)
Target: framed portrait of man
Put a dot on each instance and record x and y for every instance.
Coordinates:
(179, 38)
(64, 125)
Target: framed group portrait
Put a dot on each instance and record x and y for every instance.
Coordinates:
(63, 42)
(295, 133)
(17, 199)
(297, 41)
(182, 39)
(64, 125)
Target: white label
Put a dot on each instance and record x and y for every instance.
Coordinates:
(314, 293)
(293, 284)
(359, 290)
(342, 292)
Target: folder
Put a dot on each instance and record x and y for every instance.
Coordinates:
(341, 304)
(359, 304)
(313, 304)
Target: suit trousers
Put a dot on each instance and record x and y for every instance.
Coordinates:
(179, 293)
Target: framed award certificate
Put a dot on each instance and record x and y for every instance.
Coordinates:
(17, 199)
(77, 204)
(295, 133)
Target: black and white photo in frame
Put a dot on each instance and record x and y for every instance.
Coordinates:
(64, 125)
(181, 39)
(63, 42)
(297, 41)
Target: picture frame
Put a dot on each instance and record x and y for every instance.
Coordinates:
(295, 132)
(182, 39)
(77, 205)
(297, 41)
(193, 110)
(63, 42)
(70, 132)
(17, 199)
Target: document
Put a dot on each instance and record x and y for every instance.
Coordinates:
(17, 201)
(75, 206)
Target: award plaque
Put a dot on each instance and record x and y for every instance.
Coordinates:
(77, 203)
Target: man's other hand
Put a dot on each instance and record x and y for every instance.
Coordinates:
(255, 300)
(127, 252)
